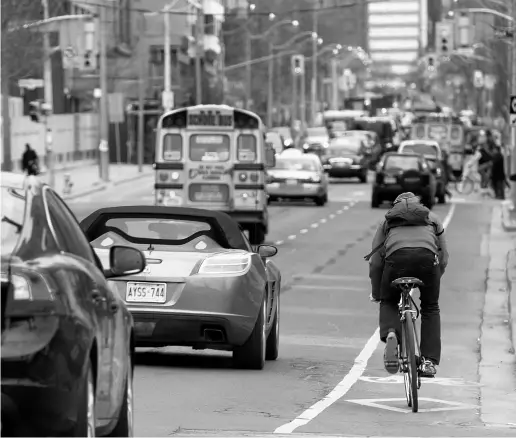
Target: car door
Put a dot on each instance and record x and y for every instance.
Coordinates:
(72, 241)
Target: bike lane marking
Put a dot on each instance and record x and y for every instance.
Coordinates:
(349, 379)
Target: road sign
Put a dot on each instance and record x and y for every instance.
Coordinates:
(512, 110)
(478, 79)
(490, 82)
(167, 100)
(30, 84)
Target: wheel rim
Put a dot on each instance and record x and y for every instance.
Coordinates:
(91, 406)
(130, 415)
(408, 393)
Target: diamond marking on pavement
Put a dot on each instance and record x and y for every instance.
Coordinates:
(398, 379)
(376, 403)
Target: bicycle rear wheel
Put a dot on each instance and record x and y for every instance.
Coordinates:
(410, 372)
(465, 187)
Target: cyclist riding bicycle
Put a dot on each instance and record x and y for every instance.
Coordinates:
(410, 242)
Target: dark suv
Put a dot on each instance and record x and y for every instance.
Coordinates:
(346, 157)
(398, 173)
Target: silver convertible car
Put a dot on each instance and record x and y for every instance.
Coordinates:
(204, 285)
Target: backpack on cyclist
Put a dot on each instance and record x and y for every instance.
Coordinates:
(404, 213)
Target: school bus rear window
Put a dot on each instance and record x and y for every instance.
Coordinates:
(246, 149)
(172, 147)
(209, 147)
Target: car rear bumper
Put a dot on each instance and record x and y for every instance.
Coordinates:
(345, 172)
(191, 329)
(249, 217)
(300, 190)
(389, 192)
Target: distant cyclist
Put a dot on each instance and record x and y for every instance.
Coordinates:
(410, 242)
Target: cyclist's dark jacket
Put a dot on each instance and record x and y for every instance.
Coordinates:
(418, 236)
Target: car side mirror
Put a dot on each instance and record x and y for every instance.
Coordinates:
(270, 156)
(266, 251)
(124, 260)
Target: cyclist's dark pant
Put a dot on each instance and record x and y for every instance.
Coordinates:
(413, 262)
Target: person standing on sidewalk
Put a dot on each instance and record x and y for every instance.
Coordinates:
(498, 177)
(30, 161)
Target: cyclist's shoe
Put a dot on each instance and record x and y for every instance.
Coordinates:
(428, 369)
(390, 355)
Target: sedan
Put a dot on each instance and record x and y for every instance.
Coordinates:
(67, 338)
(346, 158)
(204, 285)
(315, 140)
(298, 177)
(398, 173)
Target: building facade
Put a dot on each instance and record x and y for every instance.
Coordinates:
(397, 35)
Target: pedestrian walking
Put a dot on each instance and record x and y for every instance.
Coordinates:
(498, 176)
(30, 161)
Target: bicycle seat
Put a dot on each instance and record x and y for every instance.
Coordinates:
(408, 280)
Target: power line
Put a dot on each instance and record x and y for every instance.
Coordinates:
(253, 14)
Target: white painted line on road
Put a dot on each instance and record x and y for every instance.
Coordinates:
(340, 212)
(279, 242)
(442, 381)
(323, 221)
(339, 391)
(292, 237)
(332, 216)
(314, 225)
(346, 207)
(449, 406)
(349, 379)
(303, 231)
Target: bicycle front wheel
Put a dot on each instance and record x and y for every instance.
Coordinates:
(410, 371)
(465, 187)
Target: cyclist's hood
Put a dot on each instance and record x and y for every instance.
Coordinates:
(407, 211)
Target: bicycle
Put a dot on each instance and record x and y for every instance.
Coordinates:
(409, 359)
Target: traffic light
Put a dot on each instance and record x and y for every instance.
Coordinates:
(298, 65)
(430, 62)
(444, 43)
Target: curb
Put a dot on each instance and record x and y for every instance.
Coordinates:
(511, 284)
(104, 186)
(509, 224)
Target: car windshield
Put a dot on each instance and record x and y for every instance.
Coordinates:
(317, 132)
(399, 162)
(344, 146)
(295, 164)
(157, 229)
(420, 148)
(13, 210)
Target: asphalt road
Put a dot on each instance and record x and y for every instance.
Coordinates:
(329, 347)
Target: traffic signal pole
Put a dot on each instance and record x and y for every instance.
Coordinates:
(104, 108)
(47, 86)
(513, 127)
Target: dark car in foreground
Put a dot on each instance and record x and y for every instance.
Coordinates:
(397, 173)
(346, 157)
(204, 285)
(67, 338)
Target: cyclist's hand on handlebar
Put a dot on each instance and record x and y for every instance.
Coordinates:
(373, 299)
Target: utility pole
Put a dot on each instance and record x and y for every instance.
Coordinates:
(302, 104)
(141, 113)
(315, 39)
(513, 92)
(168, 61)
(199, 52)
(104, 109)
(270, 84)
(47, 80)
(248, 76)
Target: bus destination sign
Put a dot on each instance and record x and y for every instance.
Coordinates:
(210, 119)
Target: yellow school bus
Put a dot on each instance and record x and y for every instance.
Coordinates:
(215, 157)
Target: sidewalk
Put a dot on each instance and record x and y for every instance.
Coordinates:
(508, 216)
(86, 179)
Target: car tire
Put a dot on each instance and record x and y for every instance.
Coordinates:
(251, 355)
(321, 200)
(86, 421)
(257, 234)
(125, 424)
(272, 348)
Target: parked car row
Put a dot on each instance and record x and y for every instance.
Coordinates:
(78, 298)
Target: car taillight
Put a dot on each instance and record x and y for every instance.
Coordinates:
(29, 293)
(225, 264)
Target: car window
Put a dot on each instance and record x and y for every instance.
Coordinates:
(421, 148)
(317, 132)
(399, 162)
(69, 235)
(13, 211)
(295, 164)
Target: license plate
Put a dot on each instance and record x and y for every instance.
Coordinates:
(342, 164)
(146, 293)
(291, 182)
(390, 180)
